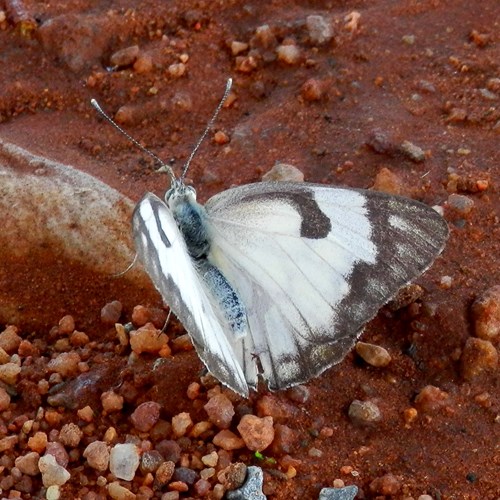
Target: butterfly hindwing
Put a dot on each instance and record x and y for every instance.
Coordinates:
(162, 250)
(313, 264)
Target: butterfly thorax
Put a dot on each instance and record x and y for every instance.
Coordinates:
(189, 216)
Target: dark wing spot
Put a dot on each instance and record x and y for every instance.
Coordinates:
(315, 224)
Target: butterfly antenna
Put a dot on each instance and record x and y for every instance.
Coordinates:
(207, 128)
(163, 166)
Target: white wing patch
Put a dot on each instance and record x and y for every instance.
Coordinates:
(162, 250)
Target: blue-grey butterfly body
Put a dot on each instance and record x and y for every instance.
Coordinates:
(276, 280)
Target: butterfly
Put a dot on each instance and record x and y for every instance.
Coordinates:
(274, 281)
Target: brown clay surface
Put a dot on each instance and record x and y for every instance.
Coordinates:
(421, 71)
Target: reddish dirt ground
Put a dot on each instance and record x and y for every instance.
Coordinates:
(421, 71)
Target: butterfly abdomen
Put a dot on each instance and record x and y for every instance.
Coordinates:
(225, 295)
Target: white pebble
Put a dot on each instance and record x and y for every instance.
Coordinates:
(53, 492)
(124, 461)
(53, 474)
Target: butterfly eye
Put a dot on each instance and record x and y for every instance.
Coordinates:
(191, 191)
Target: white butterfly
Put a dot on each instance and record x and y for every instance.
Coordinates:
(275, 280)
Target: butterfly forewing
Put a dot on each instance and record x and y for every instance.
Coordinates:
(162, 250)
(313, 264)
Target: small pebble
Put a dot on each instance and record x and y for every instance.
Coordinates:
(340, 493)
(315, 453)
(488, 94)
(381, 142)
(165, 472)
(352, 21)
(170, 450)
(86, 414)
(181, 424)
(171, 495)
(4, 399)
(374, 355)
(151, 460)
(364, 413)
(387, 181)
(486, 314)
(145, 416)
(79, 339)
(233, 476)
(52, 472)
(124, 461)
(124, 57)
(221, 138)
(182, 101)
(4, 356)
(263, 38)
(246, 64)
(28, 464)
(412, 152)
(186, 475)
(220, 411)
(70, 435)
(256, 432)
(202, 487)
(8, 443)
(182, 343)
(111, 402)
(388, 484)
(460, 203)
(456, 115)
(238, 47)
(66, 325)
(200, 428)
(176, 70)
(289, 54)
(143, 64)
(111, 312)
(10, 340)
(284, 173)
(38, 442)
(65, 364)
(319, 29)
(228, 440)
(9, 373)
(211, 459)
(147, 338)
(430, 399)
(119, 492)
(410, 415)
(312, 90)
(478, 356)
(178, 486)
(53, 492)
(97, 455)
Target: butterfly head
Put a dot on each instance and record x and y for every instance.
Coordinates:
(179, 193)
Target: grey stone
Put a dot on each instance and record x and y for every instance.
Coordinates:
(347, 493)
(252, 489)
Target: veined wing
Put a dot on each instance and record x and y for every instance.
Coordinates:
(313, 264)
